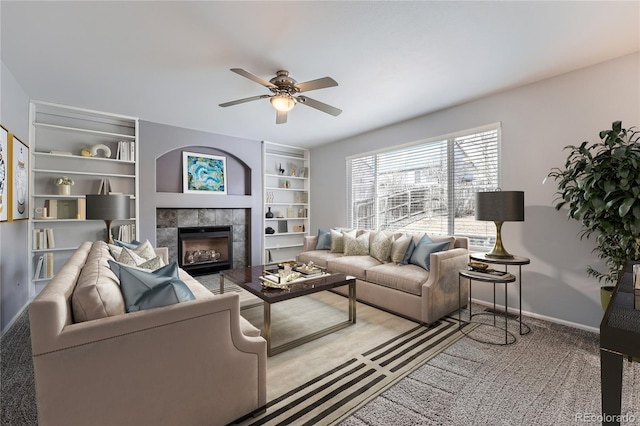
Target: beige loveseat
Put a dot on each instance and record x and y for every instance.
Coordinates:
(408, 290)
(194, 362)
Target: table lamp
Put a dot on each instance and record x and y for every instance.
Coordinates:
(108, 207)
(499, 207)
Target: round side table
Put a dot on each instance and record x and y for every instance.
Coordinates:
(487, 278)
(514, 261)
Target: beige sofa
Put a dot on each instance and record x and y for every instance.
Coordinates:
(195, 362)
(407, 290)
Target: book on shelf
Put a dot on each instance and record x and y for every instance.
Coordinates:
(43, 239)
(47, 267)
(38, 272)
(126, 151)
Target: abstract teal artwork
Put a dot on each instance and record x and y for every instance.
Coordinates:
(204, 173)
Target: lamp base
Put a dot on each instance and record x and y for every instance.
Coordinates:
(109, 237)
(498, 251)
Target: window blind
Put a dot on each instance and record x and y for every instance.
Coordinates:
(428, 187)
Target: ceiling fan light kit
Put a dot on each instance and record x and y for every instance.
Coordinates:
(282, 103)
(283, 89)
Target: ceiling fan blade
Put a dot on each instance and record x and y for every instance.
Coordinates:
(253, 77)
(281, 117)
(319, 105)
(320, 83)
(241, 101)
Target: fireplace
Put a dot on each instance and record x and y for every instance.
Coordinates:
(205, 249)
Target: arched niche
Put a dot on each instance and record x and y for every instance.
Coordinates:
(169, 171)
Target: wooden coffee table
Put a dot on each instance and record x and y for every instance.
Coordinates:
(249, 279)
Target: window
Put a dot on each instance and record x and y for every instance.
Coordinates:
(427, 187)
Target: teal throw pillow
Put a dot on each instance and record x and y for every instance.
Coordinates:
(131, 246)
(146, 290)
(408, 253)
(422, 254)
(324, 240)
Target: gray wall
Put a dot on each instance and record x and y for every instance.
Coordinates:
(159, 139)
(538, 120)
(14, 275)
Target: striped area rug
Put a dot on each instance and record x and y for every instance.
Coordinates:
(336, 393)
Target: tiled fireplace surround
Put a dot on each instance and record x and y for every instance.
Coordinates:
(168, 220)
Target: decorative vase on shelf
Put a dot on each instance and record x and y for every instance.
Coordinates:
(64, 189)
(268, 215)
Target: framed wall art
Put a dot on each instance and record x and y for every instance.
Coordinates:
(203, 173)
(18, 179)
(4, 164)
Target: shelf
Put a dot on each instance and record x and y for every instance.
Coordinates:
(81, 157)
(55, 249)
(283, 247)
(80, 130)
(57, 135)
(286, 204)
(78, 173)
(277, 188)
(287, 156)
(51, 196)
(285, 176)
(294, 199)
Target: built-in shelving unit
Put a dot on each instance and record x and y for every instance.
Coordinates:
(58, 136)
(286, 199)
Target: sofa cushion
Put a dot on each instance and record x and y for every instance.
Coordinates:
(97, 292)
(407, 254)
(318, 257)
(352, 265)
(337, 241)
(421, 256)
(146, 290)
(407, 278)
(324, 240)
(132, 245)
(399, 247)
(381, 246)
(356, 246)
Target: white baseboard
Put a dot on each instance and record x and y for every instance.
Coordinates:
(515, 311)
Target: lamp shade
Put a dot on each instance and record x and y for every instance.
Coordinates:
(282, 103)
(500, 206)
(108, 207)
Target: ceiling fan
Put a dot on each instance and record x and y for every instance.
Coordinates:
(285, 91)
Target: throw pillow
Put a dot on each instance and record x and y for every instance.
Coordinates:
(399, 247)
(381, 246)
(146, 290)
(324, 240)
(422, 254)
(169, 271)
(144, 256)
(409, 252)
(337, 241)
(356, 246)
(132, 245)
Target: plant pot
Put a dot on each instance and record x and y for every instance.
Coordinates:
(64, 189)
(605, 296)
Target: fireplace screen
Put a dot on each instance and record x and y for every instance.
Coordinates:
(203, 250)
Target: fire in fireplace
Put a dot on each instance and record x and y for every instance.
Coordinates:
(205, 249)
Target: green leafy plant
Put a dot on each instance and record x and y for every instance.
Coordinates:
(64, 180)
(600, 184)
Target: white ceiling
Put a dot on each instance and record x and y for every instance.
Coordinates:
(169, 62)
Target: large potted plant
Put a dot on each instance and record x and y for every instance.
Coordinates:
(600, 184)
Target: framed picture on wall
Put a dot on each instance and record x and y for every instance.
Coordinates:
(4, 172)
(18, 178)
(203, 173)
